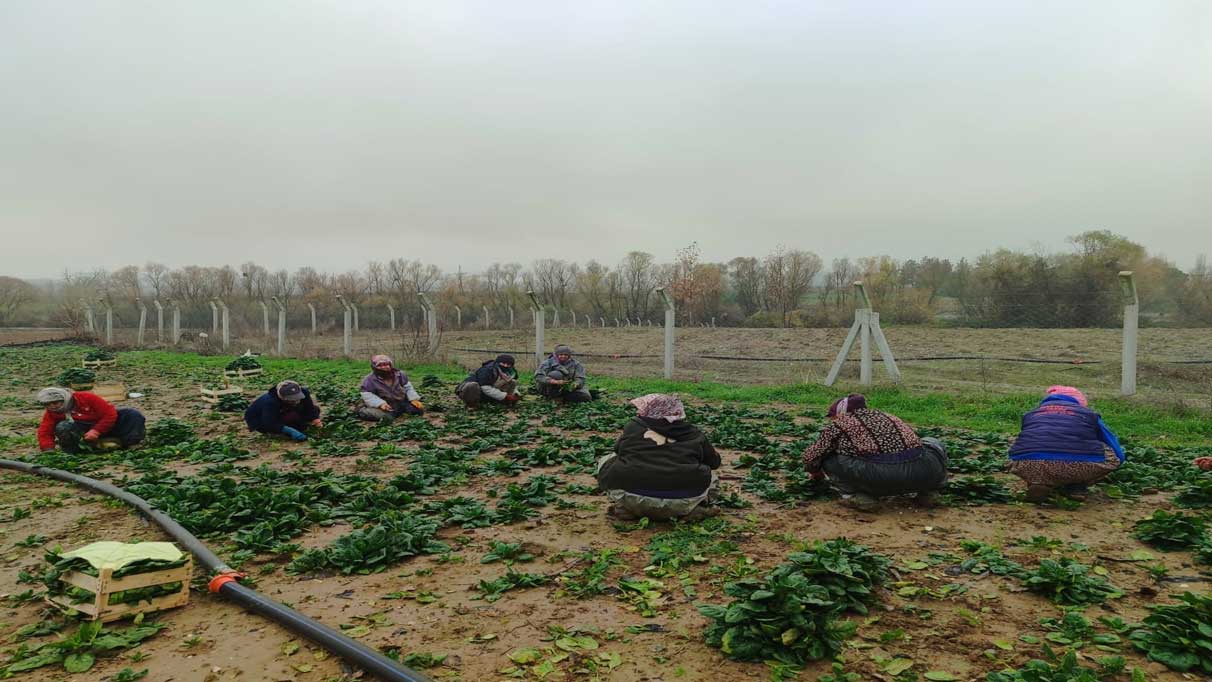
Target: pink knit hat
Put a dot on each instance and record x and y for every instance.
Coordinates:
(1070, 392)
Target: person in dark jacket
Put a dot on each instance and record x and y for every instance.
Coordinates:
(496, 381)
(1063, 446)
(561, 377)
(286, 409)
(663, 467)
(867, 454)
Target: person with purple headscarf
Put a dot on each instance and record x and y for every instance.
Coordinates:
(387, 393)
(1063, 446)
(867, 454)
(663, 466)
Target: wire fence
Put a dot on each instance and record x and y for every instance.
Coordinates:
(1173, 364)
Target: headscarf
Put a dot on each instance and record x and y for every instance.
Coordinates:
(506, 357)
(562, 349)
(1069, 392)
(844, 406)
(375, 365)
(289, 391)
(660, 406)
(54, 394)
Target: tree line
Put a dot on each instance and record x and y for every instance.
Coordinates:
(785, 288)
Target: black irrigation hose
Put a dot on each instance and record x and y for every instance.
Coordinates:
(928, 358)
(225, 584)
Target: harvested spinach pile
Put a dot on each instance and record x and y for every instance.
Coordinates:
(99, 354)
(1178, 636)
(231, 402)
(1169, 531)
(793, 615)
(76, 375)
(243, 362)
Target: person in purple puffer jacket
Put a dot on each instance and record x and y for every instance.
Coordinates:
(1063, 446)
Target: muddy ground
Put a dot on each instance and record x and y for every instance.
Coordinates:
(209, 640)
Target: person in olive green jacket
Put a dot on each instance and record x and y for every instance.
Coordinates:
(663, 467)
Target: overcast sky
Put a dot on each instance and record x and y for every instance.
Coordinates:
(462, 133)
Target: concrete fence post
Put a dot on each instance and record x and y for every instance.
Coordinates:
(109, 322)
(866, 329)
(225, 315)
(511, 317)
(159, 321)
(142, 321)
(431, 319)
(602, 322)
(281, 324)
(312, 308)
(487, 318)
(347, 327)
(1127, 284)
(458, 317)
(176, 331)
(264, 318)
(391, 313)
(555, 319)
(670, 322)
(354, 306)
(539, 322)
(90, 322)
(214, 317)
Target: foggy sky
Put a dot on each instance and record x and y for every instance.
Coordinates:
(462, 133)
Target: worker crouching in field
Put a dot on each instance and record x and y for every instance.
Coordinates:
(662, 466)
(387, 393)
(561, 377)
(74, 416)
(286, 409)
(495, 382)
(1063, 446)
(867, 454)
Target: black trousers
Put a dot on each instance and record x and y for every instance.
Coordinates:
(879, 479)
(129, 429)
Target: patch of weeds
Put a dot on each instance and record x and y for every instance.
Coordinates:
(1075, 631)
(506, 552)
(79, 651)
(1063, 669)
(491, 590)
(689, 543)
(645, 595)
(590, 580)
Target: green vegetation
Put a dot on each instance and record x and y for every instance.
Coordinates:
(1171, 531)
(1179, 635)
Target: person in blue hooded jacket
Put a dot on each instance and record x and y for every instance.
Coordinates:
(1063, 446)
(286, 409)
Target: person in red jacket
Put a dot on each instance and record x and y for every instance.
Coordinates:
(71, 416)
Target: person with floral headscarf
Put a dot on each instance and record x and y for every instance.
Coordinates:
(286, 409)
(387, 393)
(663, 466)
(1063, 446)
(867, 454)
(72, 416)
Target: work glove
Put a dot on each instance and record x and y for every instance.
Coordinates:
(317, 423)
(294, 433)
(417, 404)
(92, 435)
(512, 398)
(1204, 463)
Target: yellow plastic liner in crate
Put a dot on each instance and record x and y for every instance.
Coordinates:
(108, 557)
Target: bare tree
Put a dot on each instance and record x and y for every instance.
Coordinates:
(748, 281)
(126, 283)
(154, 274)
(554, 279)
(14, 293)
(639, 281)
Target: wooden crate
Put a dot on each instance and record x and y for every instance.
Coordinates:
(94, 364)
(80, 387)
(112, 391)
(103, 585)
(214, 395)
(238, 373)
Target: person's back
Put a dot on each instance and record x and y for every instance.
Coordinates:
(658, 458)
(1063, 446)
